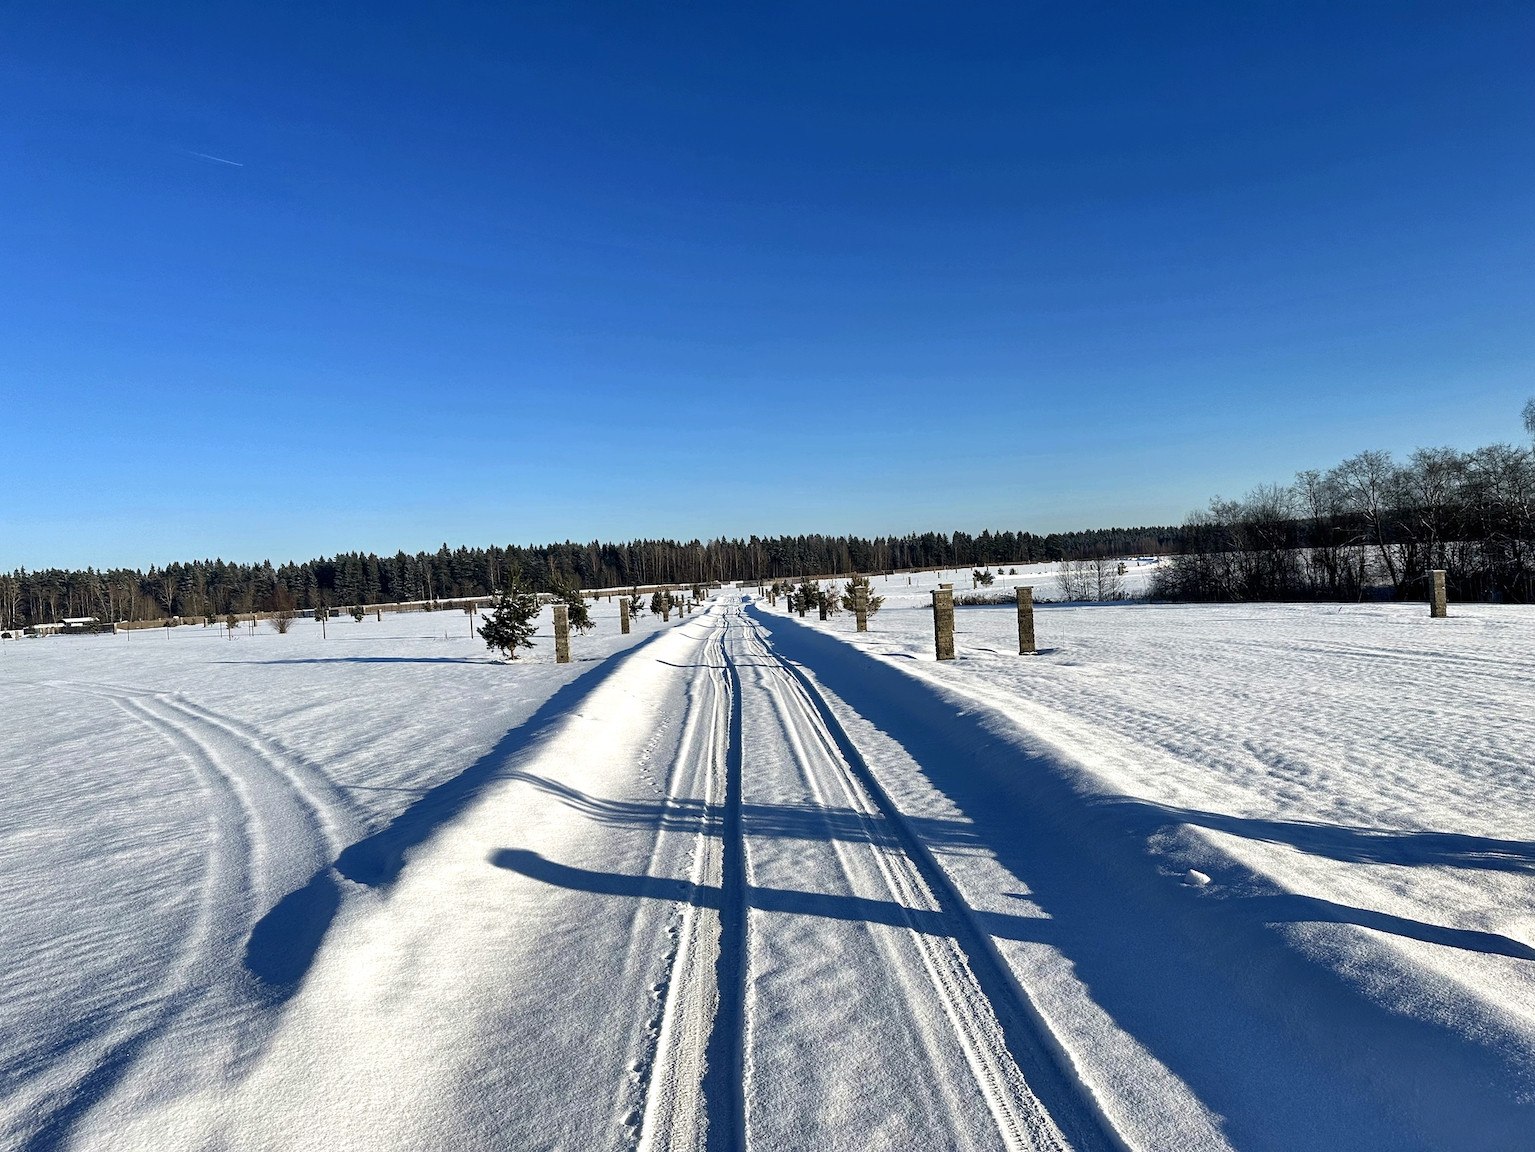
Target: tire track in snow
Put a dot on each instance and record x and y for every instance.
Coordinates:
(993, 1023)
(267, 824)
(677, 1114)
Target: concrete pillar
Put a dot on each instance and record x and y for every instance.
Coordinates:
(861, 606)
(1025, 619)
(943, 621)
(822, 605)
(623, 615)
(562, 634)
(666, 609)
(1437, 606)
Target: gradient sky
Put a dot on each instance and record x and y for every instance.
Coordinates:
(282, 280)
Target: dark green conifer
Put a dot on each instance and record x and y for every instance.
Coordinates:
(512, 621)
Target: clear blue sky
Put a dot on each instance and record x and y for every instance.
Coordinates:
(281, 280)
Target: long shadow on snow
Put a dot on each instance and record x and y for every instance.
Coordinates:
(1289, 1053)
(283, 943)
(376, 660)
(779, 821)
(810, 822)
(1372, 845)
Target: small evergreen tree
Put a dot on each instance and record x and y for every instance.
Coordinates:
(570, 596)
(984, 579)
(808, 596)
(358, 612)
(849, 596)
(512, 621)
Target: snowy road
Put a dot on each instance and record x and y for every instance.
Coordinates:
(735, 883)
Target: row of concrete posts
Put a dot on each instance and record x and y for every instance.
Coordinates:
(943, 621)
(562, 624)
(943, 615)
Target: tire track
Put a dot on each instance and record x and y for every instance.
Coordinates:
(677, 1114)
(1032, 1101)
(267, 824)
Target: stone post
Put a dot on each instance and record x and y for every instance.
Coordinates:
(623, 615)
(1436, 599)
(943, 621)
(822, 605)
(1025, 619)
(861, 606)
(562, 634)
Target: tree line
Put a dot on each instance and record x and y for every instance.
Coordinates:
(218, 587)
(1370, 527)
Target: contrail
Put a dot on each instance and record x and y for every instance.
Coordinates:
(220, 159)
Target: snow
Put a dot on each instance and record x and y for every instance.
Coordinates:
(1198, 877)
(1353, 782)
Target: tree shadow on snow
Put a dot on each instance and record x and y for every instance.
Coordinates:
(282, 946)
(776, 821)
(371, 660)
(1371, 845)
(1286, 1050)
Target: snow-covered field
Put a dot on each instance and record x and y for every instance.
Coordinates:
(1192, 877)
(1297, 842)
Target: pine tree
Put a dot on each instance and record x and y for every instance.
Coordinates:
(512, 621)
(580, 615)
(849, 596)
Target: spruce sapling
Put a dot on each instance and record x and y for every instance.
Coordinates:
(512, 621)
(580, 616)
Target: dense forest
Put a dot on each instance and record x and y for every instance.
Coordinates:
(1370, 527)
(215, 587)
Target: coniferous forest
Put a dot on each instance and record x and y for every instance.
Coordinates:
(217, 587)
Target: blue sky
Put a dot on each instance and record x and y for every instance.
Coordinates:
(282, 280)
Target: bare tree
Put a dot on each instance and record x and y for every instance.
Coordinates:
(1369, 485)
(1106, 581)
(282, 610)
(1072, 578)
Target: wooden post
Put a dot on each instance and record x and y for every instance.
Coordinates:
(861, 606)
(562, 634)
(623, 615)
(1437, 606)
(1025, 619)
(943, 621)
